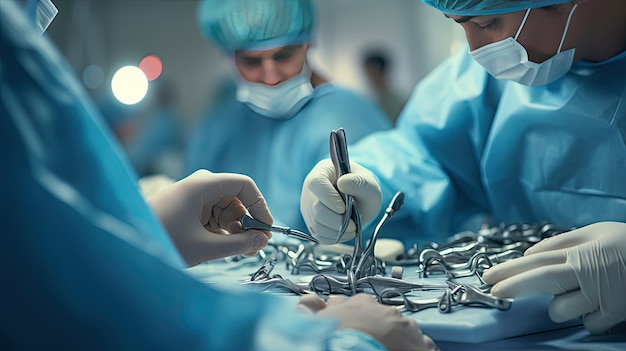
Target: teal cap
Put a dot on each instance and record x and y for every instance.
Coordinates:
(256, 24)
(488, 7)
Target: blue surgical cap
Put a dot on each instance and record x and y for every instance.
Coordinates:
(488, 7)
(256, 24)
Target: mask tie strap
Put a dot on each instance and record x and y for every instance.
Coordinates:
(519, 30)
(569, 18)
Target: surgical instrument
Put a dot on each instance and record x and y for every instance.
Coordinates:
(386, 297)
(277, 283)
(341, 162)
(471, 296)
(327, 284)
(247, 222)
(264, 271)
(367, 263)
(378, 283)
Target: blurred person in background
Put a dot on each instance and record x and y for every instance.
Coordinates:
(157, 145)
(121, 118)
(277, 125)
(376, 66)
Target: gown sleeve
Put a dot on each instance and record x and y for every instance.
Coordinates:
(433, 154)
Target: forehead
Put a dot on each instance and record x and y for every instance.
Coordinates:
(268, 52)
(462, 19)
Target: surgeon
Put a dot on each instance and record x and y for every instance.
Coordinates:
(526, 125)
(277, 126)
(88, 265)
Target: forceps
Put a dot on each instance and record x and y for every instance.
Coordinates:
(248, 222)
(341, 162)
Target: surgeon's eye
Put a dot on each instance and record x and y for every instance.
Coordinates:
(287, 53)
(282, 57)
(487, 25)
(249, 61)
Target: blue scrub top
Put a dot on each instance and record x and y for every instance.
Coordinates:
(85, 263)
(278, 154)
(469, 146)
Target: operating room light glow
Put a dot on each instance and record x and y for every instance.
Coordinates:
(93, 76)
(151, 66)
(129, 85)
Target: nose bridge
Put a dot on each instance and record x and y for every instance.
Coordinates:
(271, 74)
(474, 41)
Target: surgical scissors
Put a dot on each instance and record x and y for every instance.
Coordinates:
(247, 222)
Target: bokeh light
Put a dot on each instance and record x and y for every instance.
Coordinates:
(129, 85)
(93, 76)
(151, 66)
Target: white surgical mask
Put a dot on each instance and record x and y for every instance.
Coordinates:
(41, 13)
(508, 59)
(281, 101)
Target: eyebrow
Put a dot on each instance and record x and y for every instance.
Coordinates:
(242, 54)
(289, 49)
(460, 20)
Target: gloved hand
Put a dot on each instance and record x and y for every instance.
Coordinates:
(361, 312)
(201, 214)
(584, 268)
(322, 205)
(152, 184)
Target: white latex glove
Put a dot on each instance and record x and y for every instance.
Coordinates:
(584, 268)
(361, 312)
(201, 214)
(152, 184)
(322, 206)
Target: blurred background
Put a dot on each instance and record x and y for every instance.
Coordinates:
(184, 74)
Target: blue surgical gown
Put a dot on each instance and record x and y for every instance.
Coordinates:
(278, 154)
(469, 146)
(85, 265)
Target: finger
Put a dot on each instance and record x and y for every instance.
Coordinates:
(333, 300)
(319, 182)
(599, 323)
(428, 343)
(222, 214)
(220, 246)
(252, 253)
(562, 241)
(236, 227)
(362, 184)
(553, 279)
(234, 185)
(569, 306)
(326, 224)
(518, 265)
(312, 302)
(327, 217)
(356, 185)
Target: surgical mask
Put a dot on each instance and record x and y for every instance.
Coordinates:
(281, 101)
(41, 13)
(508, 59)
